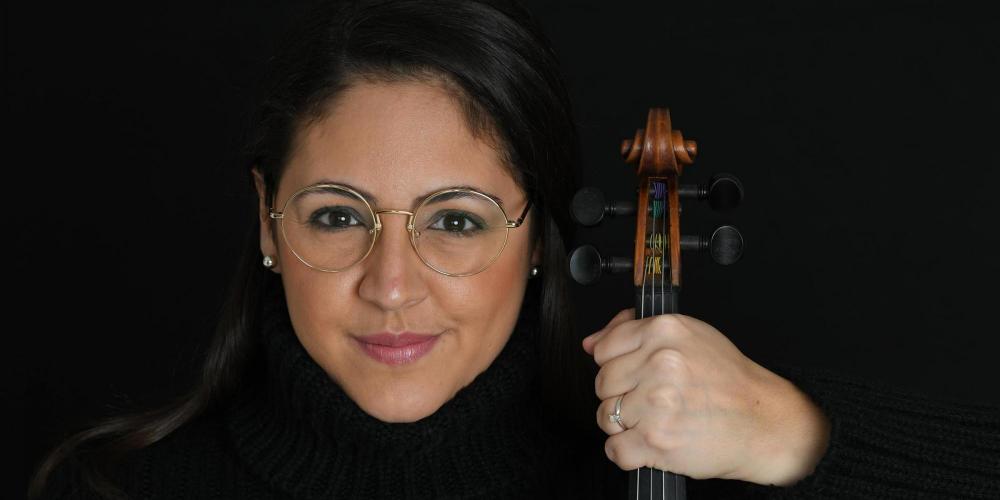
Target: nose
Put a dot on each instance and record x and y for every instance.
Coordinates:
(393, 272)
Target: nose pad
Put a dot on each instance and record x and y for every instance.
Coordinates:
(388, 233)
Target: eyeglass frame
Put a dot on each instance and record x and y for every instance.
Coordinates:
(410, 228)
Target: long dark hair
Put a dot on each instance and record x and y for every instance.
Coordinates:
(499, 66)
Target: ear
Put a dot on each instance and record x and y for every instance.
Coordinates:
(268, 244)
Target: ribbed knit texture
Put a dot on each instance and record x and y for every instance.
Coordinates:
(888, 444)
(297, 435)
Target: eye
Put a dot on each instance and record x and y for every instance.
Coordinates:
(458, 223)
(334, 218)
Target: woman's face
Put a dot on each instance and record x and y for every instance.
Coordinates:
(399, 141)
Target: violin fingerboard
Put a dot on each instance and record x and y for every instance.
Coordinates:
(654, 484)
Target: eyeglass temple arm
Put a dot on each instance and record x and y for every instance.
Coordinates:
(520, 219)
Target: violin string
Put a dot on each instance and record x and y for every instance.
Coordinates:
(647, 265)
(663, 278)
(655, 262)
(645, 269)
(656, 250)
(663, 247)
(642, 297)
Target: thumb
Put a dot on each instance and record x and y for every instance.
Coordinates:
(590, 340)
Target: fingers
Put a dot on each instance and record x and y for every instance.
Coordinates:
(628, 450)
(664, 330)
(618, 376)
(622, 316)
(650, 443)
(617, 341)
(607, 407)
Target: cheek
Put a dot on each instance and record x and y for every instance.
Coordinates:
(320, 305)
(492, 297)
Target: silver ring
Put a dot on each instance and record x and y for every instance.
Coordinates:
(617, 415)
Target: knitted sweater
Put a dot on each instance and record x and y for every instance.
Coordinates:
(294, 434)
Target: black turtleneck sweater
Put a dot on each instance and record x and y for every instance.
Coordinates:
(293, 433)
(302, 435)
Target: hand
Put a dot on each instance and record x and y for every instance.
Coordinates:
(695, 405)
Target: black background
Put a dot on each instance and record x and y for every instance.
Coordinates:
(865, 136)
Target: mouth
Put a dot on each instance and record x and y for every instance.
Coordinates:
(400, 349)
(396, 339)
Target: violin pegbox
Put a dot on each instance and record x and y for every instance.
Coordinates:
(659, 154)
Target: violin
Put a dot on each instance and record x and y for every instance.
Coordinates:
(660, 153)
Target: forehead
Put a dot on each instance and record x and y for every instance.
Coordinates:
(395, 140)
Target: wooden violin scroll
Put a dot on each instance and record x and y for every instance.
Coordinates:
(662, 146)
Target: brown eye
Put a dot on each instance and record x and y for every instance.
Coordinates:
(460, 223)
(334, 218)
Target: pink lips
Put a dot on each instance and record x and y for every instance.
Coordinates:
(398, 349)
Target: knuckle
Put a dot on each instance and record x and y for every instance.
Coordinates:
(620, 459)
(599, 349)
(672, 325)
(625, 466)
(667, 360)
(667, 321)
(600, 384)
(664, 396)
(609, 449)
(603, 410)
(657, 439)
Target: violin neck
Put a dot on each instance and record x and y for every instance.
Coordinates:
(647, 483)
(651, 300)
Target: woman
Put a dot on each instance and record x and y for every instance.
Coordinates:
(399, 325)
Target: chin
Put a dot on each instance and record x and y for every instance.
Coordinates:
(396, 414)
(405, 409)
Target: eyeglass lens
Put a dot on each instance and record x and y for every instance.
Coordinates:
(455, 232)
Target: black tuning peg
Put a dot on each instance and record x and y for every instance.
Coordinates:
(725, 244)
(589, 207)
(586, 264)
(723, 191)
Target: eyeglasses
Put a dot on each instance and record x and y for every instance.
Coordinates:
(456, 232)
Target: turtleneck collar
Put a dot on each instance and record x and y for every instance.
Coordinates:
(300, 432)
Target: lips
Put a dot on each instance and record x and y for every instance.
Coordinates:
(395, 340)
(397, 349)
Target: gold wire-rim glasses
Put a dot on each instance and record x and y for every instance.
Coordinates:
(510, 224)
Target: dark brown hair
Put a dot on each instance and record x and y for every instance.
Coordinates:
(500, 67)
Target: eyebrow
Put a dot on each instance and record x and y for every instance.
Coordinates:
(374, 199)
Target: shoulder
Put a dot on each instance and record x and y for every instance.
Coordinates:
(193, 461)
